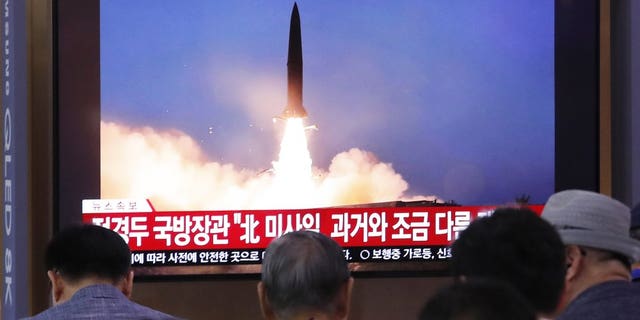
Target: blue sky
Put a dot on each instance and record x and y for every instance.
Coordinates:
(457, 95)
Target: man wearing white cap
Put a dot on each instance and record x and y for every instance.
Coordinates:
(599, 254)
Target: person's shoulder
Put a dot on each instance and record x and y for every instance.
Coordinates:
(49, 314)
(110, 301)
(624, 288)
(60, 311)
(149, 313)
(143, 313)
(610, 293)
(602, 300)
(107, 307)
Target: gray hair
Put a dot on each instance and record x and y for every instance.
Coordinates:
(303, 270)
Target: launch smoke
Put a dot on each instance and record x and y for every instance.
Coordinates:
(170, 169)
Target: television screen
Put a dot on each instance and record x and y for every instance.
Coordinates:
(411, 100)
(415, 117)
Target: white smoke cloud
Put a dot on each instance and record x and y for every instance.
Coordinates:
(357, 176)
(170, 169)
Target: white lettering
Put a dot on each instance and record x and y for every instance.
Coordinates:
(7, 130)
(8, 209)
(8, 219)
(8, 297)
(8, 261)
(7, 190)
(8, 265)
(7, 162)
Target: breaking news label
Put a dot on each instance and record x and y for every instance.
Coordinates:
(234, 237)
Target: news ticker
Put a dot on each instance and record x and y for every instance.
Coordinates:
(228, 237)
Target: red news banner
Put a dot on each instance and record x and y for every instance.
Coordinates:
(163, 238)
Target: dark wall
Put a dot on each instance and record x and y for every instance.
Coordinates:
(625, 87)
(635, 101)
(76, 107)
(373, 298)
(577, 94)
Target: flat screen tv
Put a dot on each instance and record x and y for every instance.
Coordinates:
(187, 129)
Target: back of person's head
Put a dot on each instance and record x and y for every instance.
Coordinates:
(88, 251)
(478, 299)
(516, 246)
(304, 271)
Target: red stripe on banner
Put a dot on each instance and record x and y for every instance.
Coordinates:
(255, 229)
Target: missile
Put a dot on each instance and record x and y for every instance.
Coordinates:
(294, 108)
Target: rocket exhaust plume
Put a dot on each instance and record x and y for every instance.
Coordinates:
(294, 108)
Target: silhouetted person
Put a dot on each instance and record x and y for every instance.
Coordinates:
(599, 253)
(516, 246)
(305, 276)
(478, 299)
(89, 270)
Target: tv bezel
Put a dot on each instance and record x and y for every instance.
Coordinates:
(76, 106)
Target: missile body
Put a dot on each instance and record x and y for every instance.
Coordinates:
(294, 108)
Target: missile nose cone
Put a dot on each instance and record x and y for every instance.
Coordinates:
(294, 106)
(295, 16)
